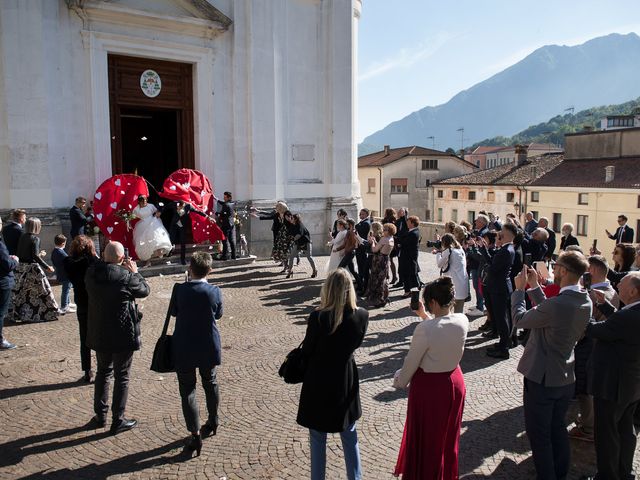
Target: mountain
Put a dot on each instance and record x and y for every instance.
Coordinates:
(551, 79)
(553, 130)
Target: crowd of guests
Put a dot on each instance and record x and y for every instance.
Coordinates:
(577, 314)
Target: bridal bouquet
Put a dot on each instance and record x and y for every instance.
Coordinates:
(127, 216)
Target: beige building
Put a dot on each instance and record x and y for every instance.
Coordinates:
(506, 155)
(402, 177)
(498, 190)
(598, 180)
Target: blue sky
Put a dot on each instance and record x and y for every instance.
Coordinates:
(414, 53)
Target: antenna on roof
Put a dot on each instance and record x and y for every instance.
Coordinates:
(432, 138)
(570, 109)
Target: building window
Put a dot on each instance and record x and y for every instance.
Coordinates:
(398, 185)
(582, 225)
(427, 182)
(429, 164)
(491, 196)
(583, 199)
(510, 197)
(441, 195)
(535, 214)
(638, 231)
(535, 196)
(471, 216)
(638, 201)
(454, 194)
(454, 215)
(427, 215)
(374, 213)
(557, 222)
(620, 122)
(439, 214)
(371, 183)
(472, 195)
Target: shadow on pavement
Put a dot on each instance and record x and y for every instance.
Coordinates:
(29, 389)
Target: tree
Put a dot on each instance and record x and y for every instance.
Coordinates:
(450, 150)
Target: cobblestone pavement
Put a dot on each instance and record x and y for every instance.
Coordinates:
(43, 407)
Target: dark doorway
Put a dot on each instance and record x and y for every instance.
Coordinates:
(150, 143)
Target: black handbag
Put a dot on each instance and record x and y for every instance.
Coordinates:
(294, 366)
(162, 361)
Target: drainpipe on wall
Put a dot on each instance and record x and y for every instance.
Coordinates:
(523, 205)
(380, 194)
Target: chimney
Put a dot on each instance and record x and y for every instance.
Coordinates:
(521, 155)
(609, 173)
(386, 150)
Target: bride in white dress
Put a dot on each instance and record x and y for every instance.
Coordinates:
(150, 237)
(336, 256)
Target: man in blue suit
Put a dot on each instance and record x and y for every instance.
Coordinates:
(196, 344)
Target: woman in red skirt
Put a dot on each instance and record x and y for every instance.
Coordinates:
(429, 449)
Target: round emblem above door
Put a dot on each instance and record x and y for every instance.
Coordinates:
(150, 83)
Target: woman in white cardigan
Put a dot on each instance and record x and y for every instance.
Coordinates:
(453, 263)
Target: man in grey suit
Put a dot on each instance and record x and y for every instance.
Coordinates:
(616, 380)
(547, 363)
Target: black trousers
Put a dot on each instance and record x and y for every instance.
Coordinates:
(499, 305)
(363, 265)
(545, 410)
(347, 262)
(229, 243)
(615, 439)
(408, 274)
(187, 386)
(85, 352)
(115, 365)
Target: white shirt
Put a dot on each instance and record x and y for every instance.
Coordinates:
(437, 346)
(630, 305)
(457, 270)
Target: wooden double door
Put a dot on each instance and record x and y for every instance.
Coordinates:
(151, 133)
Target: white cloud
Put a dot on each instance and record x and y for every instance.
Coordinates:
(406, 57)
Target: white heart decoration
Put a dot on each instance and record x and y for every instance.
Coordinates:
(117, 182)
(129, 205)
(122, 192)
(98, 195)
(114, 205)
(110, 230)
(99, 216)
(172, 187)
(186, 185)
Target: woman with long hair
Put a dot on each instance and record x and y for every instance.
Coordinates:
(82, 254)
(452, 262)
(282, 246)
(624, 256)
(429, 448)
(336, 243)
(381, 248)
(390, 217)
(330, 396)
(32, 299)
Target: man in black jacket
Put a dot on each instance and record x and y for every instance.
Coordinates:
(408, 267)
(615, 362)
(113, 331)
(624, 233)
(79, 218)
(12, 231)
(551, 239)
(226, 221)
(363, 227)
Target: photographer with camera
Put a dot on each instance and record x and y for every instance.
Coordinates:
(113, 330)
(452, 262)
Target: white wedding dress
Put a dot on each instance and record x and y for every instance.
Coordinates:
(334, 259)
(149, 235)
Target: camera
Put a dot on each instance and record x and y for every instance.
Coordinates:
(434, 244)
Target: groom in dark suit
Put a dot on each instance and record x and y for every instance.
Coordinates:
(79, 218)
(408, 267)
(180, 221)
(624, 233)
(615, 362)
(363, 227)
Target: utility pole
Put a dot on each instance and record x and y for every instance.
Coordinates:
(433, 139)
(461, 130)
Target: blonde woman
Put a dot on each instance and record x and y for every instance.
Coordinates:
(32, 298)
(330, 396)
(275, 215)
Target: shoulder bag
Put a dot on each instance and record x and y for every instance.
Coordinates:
(294, 366)
(162, 361)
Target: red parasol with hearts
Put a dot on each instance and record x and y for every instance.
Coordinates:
(113, 203)
(193, 187)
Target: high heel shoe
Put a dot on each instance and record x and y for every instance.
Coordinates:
(289, 274)
(193, 445)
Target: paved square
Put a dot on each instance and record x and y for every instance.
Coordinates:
(43, 407)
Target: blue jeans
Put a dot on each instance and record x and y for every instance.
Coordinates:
(318, 441)
(475, 279)
(64, 298)
(5, 298)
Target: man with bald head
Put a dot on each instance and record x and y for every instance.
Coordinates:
(113, 331)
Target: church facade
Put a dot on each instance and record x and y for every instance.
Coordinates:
(260, 95)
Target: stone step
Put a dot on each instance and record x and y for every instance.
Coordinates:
(171, 266)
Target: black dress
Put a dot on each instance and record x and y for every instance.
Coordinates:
(330, 396)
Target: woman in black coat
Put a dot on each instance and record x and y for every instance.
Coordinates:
(330, 396)
(82, 254)
(567, 239)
